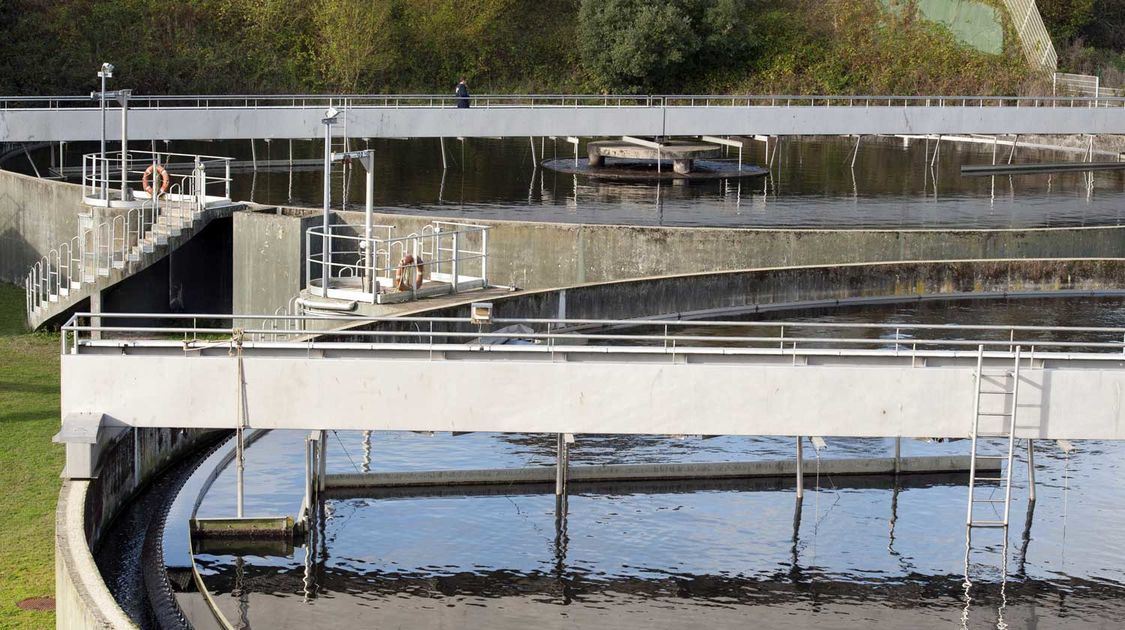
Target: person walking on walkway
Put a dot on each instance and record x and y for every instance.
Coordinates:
(462, 94)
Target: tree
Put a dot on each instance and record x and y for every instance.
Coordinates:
(1065, 19)
(635, 46)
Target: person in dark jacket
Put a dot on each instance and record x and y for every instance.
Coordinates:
(462, 93)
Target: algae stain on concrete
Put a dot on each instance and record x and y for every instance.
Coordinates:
(973, 22)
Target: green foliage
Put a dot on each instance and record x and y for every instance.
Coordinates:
(424, 46)
(1065, 19)
(637, 46)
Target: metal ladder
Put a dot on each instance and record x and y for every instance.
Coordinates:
(1008, 395)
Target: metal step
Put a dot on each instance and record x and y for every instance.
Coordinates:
(988, 524)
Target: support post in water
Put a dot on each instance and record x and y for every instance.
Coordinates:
(444, 163)
(800, 469)
(562, 462)
(898, 455)
(1031, 470)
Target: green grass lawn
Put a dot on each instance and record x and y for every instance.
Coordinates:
(29, 463)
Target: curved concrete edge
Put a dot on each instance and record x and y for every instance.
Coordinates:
(780, 288)
(85, 510)
(82, 599)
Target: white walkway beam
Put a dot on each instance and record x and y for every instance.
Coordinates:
(250, 117)
(798, 386)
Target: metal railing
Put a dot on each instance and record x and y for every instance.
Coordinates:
(452, 254)
(124, 233)
(558, 101)
(637, 336)
(207, 175)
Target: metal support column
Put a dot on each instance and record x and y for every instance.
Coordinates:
(124, 95)
(898, 455)
(562, 464)
(322, 473)
(253, 154)
(444, 163)
(1031, 470)
(326, 247)
(531, 140)
(800, 469)
(368, 208)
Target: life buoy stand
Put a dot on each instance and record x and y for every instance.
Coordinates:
(146, 179)
(407, 262)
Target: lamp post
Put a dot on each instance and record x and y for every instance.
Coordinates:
(104, 73)
(326, 247)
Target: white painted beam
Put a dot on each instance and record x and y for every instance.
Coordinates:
(187, 123)
(595, 393)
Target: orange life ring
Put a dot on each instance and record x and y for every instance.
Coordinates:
(164, 181)
(400, 274)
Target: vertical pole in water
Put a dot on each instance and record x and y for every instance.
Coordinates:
(444, 164)
(253, 154)
(323, 460)
(898, 455)
(561, 465)
(1031, 470)
(800, 469)
(531, 139)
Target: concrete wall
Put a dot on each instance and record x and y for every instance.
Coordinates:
(535, 255)
(87, 508)
(269, 258)
(36, 215)
(697, 295)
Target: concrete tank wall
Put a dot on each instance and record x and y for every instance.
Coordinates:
(269, 266)
(698, 295)
(87, 508)
(36, 215)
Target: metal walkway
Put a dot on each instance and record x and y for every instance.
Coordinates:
(65, 118)
(591, 376)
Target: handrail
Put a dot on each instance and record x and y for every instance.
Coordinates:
(301, 101)
(676, 335)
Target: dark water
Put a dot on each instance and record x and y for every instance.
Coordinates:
(860, 552)
(811, 184)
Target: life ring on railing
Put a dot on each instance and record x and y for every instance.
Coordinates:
(407, 262)
(164, 181)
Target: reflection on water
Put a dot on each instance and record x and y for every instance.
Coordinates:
(811, 183)
(856, 552)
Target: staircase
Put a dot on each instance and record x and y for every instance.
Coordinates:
(997, 393)
(106, 252)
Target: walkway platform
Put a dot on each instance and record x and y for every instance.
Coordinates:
(594, 376)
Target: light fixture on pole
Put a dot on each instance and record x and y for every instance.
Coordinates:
(326, 248)
(105, 72)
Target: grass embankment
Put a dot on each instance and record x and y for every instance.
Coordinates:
(29, 463)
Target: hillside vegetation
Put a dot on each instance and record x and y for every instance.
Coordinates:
(1089, 36)
(289, 46)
